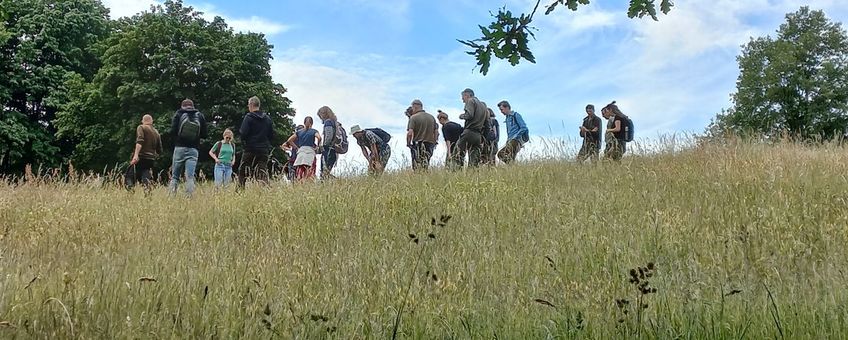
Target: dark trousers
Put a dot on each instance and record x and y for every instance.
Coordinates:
(421, 154)
(615, 149)
(470, 142)
(509, 151)
(590, 150)
(254, 164)
(328, 161)
(144, 173)
(488, 153)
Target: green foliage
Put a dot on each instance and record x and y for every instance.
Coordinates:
(41, 44)
(507, 37)
(151, 63)
(796, 83)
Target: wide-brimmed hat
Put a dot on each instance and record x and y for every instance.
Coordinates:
(354, 129)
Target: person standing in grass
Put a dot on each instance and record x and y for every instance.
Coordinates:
(615, 144)
(148, 146)
(517, 133)
(224, 154)
(375, 147)
(257, 131)
(422, 132)
(187, 128)
(331, 135)
(470, 141)
(306, 141)
(590, 130)
(451, 132)
(490, 140)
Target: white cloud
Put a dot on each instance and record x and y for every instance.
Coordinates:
(126, 8)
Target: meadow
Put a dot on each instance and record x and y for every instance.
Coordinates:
(714, 242)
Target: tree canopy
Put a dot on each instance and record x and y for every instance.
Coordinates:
(795, 83)
(507, 37)
(79, 82)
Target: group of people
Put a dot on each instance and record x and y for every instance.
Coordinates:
(477, 139)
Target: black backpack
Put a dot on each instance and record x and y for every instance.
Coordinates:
(340, 144)
(189, 126)
(385, 136)
(628, 128)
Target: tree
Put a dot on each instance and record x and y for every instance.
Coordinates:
(151, 63)
(42, 43)
(796, 83)
(508, 36)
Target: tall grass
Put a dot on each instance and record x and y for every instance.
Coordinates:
(748, 241)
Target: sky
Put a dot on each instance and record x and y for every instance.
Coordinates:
(368, 59)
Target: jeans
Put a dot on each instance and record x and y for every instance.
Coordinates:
(328, 161)
(184, 159)
(253, 164)
(223, 174)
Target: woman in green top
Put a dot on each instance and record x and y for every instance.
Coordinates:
(223, 152)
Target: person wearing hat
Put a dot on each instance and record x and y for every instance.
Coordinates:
(422, 132)
(375, 147)
(187, 128)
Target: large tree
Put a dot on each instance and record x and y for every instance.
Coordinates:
(42, 43)
(795, 83)
(152, 62)
(508, 36)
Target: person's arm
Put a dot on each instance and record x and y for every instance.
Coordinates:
(329, 133)
(290, 142)
(233, 162)
(139, 139)
(175, 125)
(522, 127)
(212, 152)
(597, 123)
(244, 130)
(448, 144)
(469, 111)
(159, 143)
(375, 153)
(408, 137)
(617, 126)
(365, 153)
(317, 138)
(436, 132)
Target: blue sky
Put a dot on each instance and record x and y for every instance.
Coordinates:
(369, 59)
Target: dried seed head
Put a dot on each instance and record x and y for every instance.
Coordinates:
(411, 236)
(633, 273)
(267, 310)
(431, 235)
(651, 265)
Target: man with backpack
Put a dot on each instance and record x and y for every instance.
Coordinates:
(490, 140)
(590, 130)
(476, 114)
(451, 132)
(517, 133)
(257, 131)
(374, 143)
(187, 128)
(421, 135)
(148, 146)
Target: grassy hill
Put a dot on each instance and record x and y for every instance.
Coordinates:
(745, 242)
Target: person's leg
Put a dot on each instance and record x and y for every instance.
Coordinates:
(228, 174)
(145, 166)
(245, 167)
(260, 168)
(596, 150)
(584, 152)
(219, 175)
(493, 153)
(177, 165)
(473, 142)
(430, 148)
(328, 161)
(190, 167)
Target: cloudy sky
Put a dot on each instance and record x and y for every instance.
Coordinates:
(368, 59)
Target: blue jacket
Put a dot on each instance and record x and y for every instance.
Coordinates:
(515, 128)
